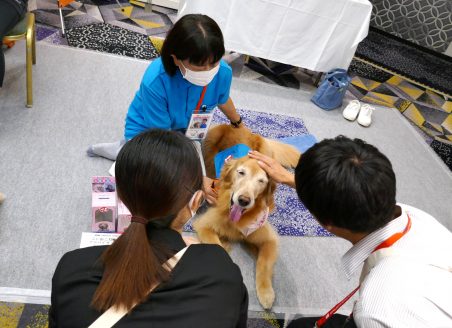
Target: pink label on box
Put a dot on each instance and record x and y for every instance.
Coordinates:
(104, 204)
(104, 219)
(103, 184)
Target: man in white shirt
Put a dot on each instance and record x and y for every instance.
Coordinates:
(350, 188)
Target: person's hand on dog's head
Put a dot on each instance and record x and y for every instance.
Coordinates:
(273, 168)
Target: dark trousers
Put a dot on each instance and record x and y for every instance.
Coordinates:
(336, 321)
(9, 16)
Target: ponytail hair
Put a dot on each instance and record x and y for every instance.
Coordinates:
(157, 172)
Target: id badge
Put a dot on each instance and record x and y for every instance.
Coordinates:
(199, 125)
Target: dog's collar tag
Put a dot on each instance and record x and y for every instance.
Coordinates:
(262, 218)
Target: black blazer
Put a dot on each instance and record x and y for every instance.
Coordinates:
(206, 289)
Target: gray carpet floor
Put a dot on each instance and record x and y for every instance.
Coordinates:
(81, 97)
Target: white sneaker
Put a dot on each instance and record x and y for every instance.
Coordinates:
(365, 115)
(351, 111)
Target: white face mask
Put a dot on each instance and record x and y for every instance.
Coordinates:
(201, 78)
(192, 200)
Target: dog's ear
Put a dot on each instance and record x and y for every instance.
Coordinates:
(269, 192)
(227, 170)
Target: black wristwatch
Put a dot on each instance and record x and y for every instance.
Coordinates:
(236, 124)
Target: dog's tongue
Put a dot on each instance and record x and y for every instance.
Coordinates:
(235, 213)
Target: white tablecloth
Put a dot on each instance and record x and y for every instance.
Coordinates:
(315, 34)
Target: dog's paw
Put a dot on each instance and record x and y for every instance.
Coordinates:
(266, 297)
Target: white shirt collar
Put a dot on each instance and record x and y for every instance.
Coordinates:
(356, 255)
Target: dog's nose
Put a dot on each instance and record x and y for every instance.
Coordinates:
(244, 201)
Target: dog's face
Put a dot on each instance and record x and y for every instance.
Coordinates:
(247, 183)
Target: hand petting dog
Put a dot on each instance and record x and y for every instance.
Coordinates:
(273, 168)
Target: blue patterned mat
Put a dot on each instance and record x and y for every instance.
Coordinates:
(290, 217)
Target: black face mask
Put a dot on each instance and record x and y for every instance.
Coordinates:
(162, 222)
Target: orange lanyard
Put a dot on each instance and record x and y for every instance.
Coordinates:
(385, 244)
(203, 92)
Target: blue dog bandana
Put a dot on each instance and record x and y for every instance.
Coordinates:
(302, 143)
(237, 151)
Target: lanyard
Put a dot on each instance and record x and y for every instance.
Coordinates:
(385, 244)
(201, 98)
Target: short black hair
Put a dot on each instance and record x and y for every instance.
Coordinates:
(157, 173)
(347, 183)
(195, 37)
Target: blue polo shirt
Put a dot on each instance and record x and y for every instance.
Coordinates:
(167, 102)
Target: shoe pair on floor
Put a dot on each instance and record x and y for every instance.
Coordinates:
(362, 113)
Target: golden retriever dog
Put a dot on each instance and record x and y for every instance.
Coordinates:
(245, 199)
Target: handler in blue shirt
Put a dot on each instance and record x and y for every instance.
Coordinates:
(167, 102)
(173, 85)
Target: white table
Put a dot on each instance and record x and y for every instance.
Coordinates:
(315, 34)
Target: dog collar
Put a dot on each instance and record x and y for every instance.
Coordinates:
(261, 219)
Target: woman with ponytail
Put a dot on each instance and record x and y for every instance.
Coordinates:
(159, 178)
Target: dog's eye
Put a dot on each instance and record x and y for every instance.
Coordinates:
(261, 181)
(241, 172)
